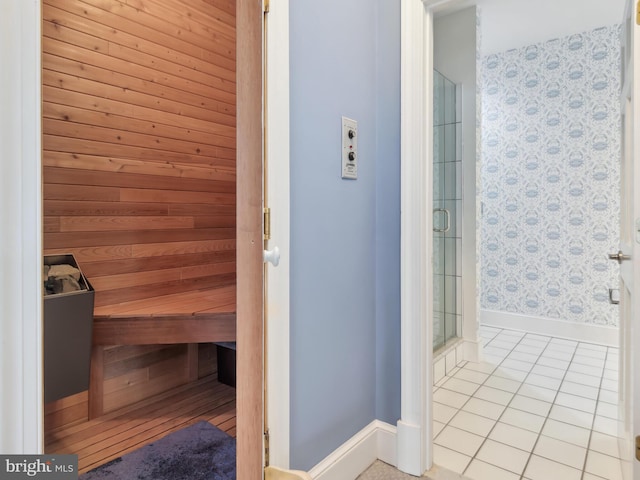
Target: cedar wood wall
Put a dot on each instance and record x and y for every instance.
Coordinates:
(139, 162)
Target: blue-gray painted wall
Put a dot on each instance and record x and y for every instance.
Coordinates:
(388, 212)
(345, 234)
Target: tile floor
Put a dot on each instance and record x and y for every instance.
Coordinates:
(537, 408)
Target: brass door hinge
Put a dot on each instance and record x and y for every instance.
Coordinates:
(265, 6)
(638, 447)
(637, 12)
(267, 223)
(266, 448)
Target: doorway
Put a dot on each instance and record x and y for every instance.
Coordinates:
(411, 85)
(522, 205)
(250, 444)
(22, 403)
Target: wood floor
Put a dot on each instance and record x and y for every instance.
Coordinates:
(114, 434)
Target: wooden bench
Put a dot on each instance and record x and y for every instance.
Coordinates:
(189, 318)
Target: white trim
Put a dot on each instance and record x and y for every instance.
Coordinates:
(414, 427)
(471, 350)
(411, 448)
(277, 301)
(386, 443)
(375, 441)
(21, 399)
(450, 6)
(552, 327)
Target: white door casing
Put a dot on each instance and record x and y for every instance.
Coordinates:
(21, 397)
(416, 80)
(277, 187)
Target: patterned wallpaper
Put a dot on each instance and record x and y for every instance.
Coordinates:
(550, 177)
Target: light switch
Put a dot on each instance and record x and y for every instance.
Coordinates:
(349, 148)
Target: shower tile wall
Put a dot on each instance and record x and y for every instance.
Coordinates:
(447, 175)
(550, 177)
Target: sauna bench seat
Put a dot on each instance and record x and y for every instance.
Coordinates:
(189, 318)
(192, 317)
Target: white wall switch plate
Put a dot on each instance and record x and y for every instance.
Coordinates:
(349, 148)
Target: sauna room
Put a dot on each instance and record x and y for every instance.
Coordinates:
(139, 182)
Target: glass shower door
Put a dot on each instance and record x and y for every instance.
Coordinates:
(447, 205)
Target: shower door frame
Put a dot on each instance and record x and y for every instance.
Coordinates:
(447, 306)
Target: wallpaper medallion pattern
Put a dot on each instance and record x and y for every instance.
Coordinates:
(550, 177)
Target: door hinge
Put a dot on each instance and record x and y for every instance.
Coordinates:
(265, 6)
(267, 223)
(266, 448)
(637, 12)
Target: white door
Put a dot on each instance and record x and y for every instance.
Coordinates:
(629, 253)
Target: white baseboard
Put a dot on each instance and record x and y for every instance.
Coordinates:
(471, 350)
(375, 441)
(581, 332)
(410, 458)
(387, 443)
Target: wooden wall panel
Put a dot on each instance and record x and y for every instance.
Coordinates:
(139, 127)
(207, 361)
(65, 412)
(149, 371)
